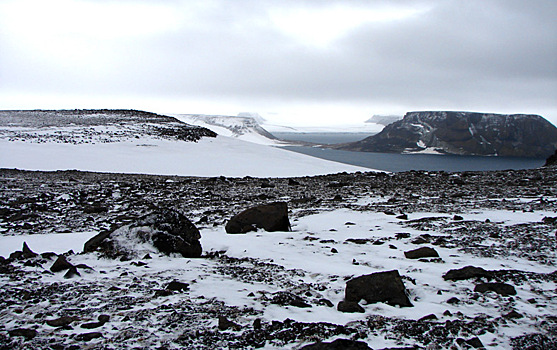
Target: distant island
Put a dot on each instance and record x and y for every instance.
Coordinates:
(464, 133)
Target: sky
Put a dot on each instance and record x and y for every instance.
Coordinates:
(295, 62)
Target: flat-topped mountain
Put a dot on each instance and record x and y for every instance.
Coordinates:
(464, 133)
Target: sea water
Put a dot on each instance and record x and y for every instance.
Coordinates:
(402, 162)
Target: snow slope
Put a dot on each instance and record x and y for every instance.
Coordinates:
(245, 128)
(208, 157)
(123, 141)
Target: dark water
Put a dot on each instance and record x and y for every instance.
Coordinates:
(402, 162)
(405, 162)
(324, 138)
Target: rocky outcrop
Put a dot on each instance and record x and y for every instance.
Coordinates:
(166, 230)
(270, 217)
(464, 133)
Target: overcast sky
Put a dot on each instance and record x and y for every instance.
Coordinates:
(313, 62)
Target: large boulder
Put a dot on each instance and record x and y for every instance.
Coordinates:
(378, 287)
(270, 217)
(164, 230)
(466, 272)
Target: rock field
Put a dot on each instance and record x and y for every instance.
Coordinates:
(142, 303)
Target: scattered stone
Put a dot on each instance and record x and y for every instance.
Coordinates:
(401, 235)
(423, 252)
(325, 302)
(334, 250)
(257, 324)
(513, 314)
(497, 287)
(167, 230)
(23, 332)
(453, 300)
(61, 321)
(270, 217)
(338, 344)
(178, 286)
(72, 272)
(430, 317)
(60, 264)
(88, 336)
(475, 342)
(28, 253)
(458, 218)
(402, 217)
(287, 298)
(378, 287)
(350, 306)
(225, 324)
(466, 272)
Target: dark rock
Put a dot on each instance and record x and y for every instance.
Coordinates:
(60, 264)
(350, 306)
(378, 287)
(61, 321)
(430, 317)
(23, 332)
(102, 319)
(497, 287)
(359, 240)
(257, 324)
(88, 336)
(270, 217)
(179, 286)
(458, 218)
(401, 235)
(453, 300)
(225, 324)
(287, 298)
(16, 255)
(167, 230)
(338, 344)
(402, 217)
(466, 272)
(72, 272)
(48, 255)
(475, 342)
(423, 252)
(513, 314)
(28, 253)
(334, 250)
(325, 302)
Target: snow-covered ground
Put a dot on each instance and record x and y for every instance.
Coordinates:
(119, 144)
(308, 249)
(220, 156)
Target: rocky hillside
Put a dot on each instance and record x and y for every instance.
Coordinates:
(93, 126)
(464, 133)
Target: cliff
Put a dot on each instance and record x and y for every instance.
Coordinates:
(464, 133)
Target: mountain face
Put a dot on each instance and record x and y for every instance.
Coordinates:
(464, 133)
